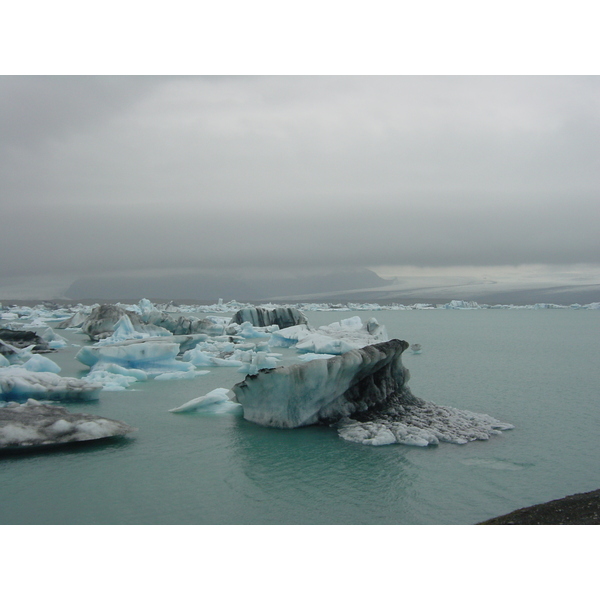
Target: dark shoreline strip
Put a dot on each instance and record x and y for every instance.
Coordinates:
(578, 509)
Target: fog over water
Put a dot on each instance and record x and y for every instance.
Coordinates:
(292, 174)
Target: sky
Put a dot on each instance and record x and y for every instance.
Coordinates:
(102, 173)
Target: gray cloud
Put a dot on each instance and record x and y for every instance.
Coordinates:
(129, 173)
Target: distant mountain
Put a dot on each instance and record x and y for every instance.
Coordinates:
(209, 288)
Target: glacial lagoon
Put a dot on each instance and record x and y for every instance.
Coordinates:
(535, 369)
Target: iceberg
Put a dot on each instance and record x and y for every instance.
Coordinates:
(104, 319)
(216, 402)
(145, 355)
(324, 391)
(35, 425)
(24, 339)
(263, 317)
(18, 383)
(364, 393)
(54, 340)
(40, 363)
(75, 321)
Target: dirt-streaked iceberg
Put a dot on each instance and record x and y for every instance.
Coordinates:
(364, 393)
(35, 425)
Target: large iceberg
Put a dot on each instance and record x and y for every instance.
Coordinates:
(364, 393)
(35, 425)
(324, 391)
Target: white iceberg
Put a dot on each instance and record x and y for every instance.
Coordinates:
(17, 383)
(40, 363)
(147, 356)
(216, 402)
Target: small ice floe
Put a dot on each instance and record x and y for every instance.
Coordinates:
(180, 375)
(416, 348)
(215, 402)
(35, 425)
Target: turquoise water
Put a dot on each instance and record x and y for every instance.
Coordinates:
(536, 369)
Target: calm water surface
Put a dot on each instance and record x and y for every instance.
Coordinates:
(536, 369)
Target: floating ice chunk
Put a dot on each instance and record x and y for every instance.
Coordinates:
(105, 319)
(284, 338)
(364, 391)
(124, 330)
(24, 339)
(114, 378)
(421, 425)
(258, 361)
(32, 425)
(336, 338)
(203, 358)
(217, 401)
(17, 383)
(262, 317)
(180, 375)
(325, 390)
(311, 356)
(156, 356)
(110, 382)
(247, 330)
(75, 321)
(54, 340)
(40, 363)
(462, 304)
(137, 374)
(316, 343)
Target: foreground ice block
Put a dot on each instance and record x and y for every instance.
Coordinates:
(34, 425)
(364, 393)
(324, 391)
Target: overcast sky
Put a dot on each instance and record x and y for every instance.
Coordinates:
(119, 173)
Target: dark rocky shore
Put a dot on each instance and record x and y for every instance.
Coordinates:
(579, 509)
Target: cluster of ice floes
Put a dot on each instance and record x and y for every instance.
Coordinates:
(337, 338)
(420, 424)
(33, 425)
(24, 373)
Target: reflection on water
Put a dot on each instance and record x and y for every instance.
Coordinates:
(321, 478)
(86, 446)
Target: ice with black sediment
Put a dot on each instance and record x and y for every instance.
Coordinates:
(35, 425)
(363, 393)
